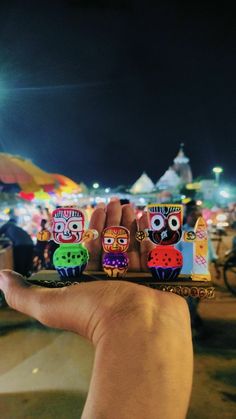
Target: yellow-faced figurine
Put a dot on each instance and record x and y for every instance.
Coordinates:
(115, 243)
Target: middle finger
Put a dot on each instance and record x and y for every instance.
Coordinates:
(128, 220)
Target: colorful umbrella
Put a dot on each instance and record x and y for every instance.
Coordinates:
(65, 184)
(11, 172)
(29, 177)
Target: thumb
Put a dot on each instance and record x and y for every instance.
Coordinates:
(79, 308)
(15, 290)
(61, 308)
(31, 300)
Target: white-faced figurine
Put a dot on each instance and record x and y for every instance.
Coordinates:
(68, 230)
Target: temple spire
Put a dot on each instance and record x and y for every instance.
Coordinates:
(181, 158)
(182, 167)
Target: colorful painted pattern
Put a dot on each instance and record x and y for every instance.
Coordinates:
(115, 243)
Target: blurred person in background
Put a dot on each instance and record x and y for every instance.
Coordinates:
(42, 244)
(22, 244)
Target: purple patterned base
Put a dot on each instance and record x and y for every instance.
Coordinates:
(115, 264)
(165, 274)
(116, 260)
(71, 272)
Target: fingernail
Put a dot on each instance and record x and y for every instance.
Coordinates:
(101, 205)
(114, 199)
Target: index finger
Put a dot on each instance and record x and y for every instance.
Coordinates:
(146, 245)
(128, 220)
(113, 213)
(97, 222)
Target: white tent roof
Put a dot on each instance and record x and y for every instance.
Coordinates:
(170, 179)
(143, 185)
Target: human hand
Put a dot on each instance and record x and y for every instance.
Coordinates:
(20, 295)
(80, 308)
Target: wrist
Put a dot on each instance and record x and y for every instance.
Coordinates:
(129, 314)
(139, 352)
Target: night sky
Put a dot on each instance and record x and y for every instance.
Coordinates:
(104, 90)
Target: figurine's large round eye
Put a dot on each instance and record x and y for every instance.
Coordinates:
(58, 227)
(174, 222)
(75, 226)
(122, 240)
(157, 222)
(108, 240)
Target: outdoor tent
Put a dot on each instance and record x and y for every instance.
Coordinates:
(143, 185)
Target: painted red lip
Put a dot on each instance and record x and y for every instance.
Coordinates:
(62, 239)
(67, 241)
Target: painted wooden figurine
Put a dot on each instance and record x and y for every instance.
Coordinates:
(165, 230)
(68, 230)
(115, 243)
(200, 270)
